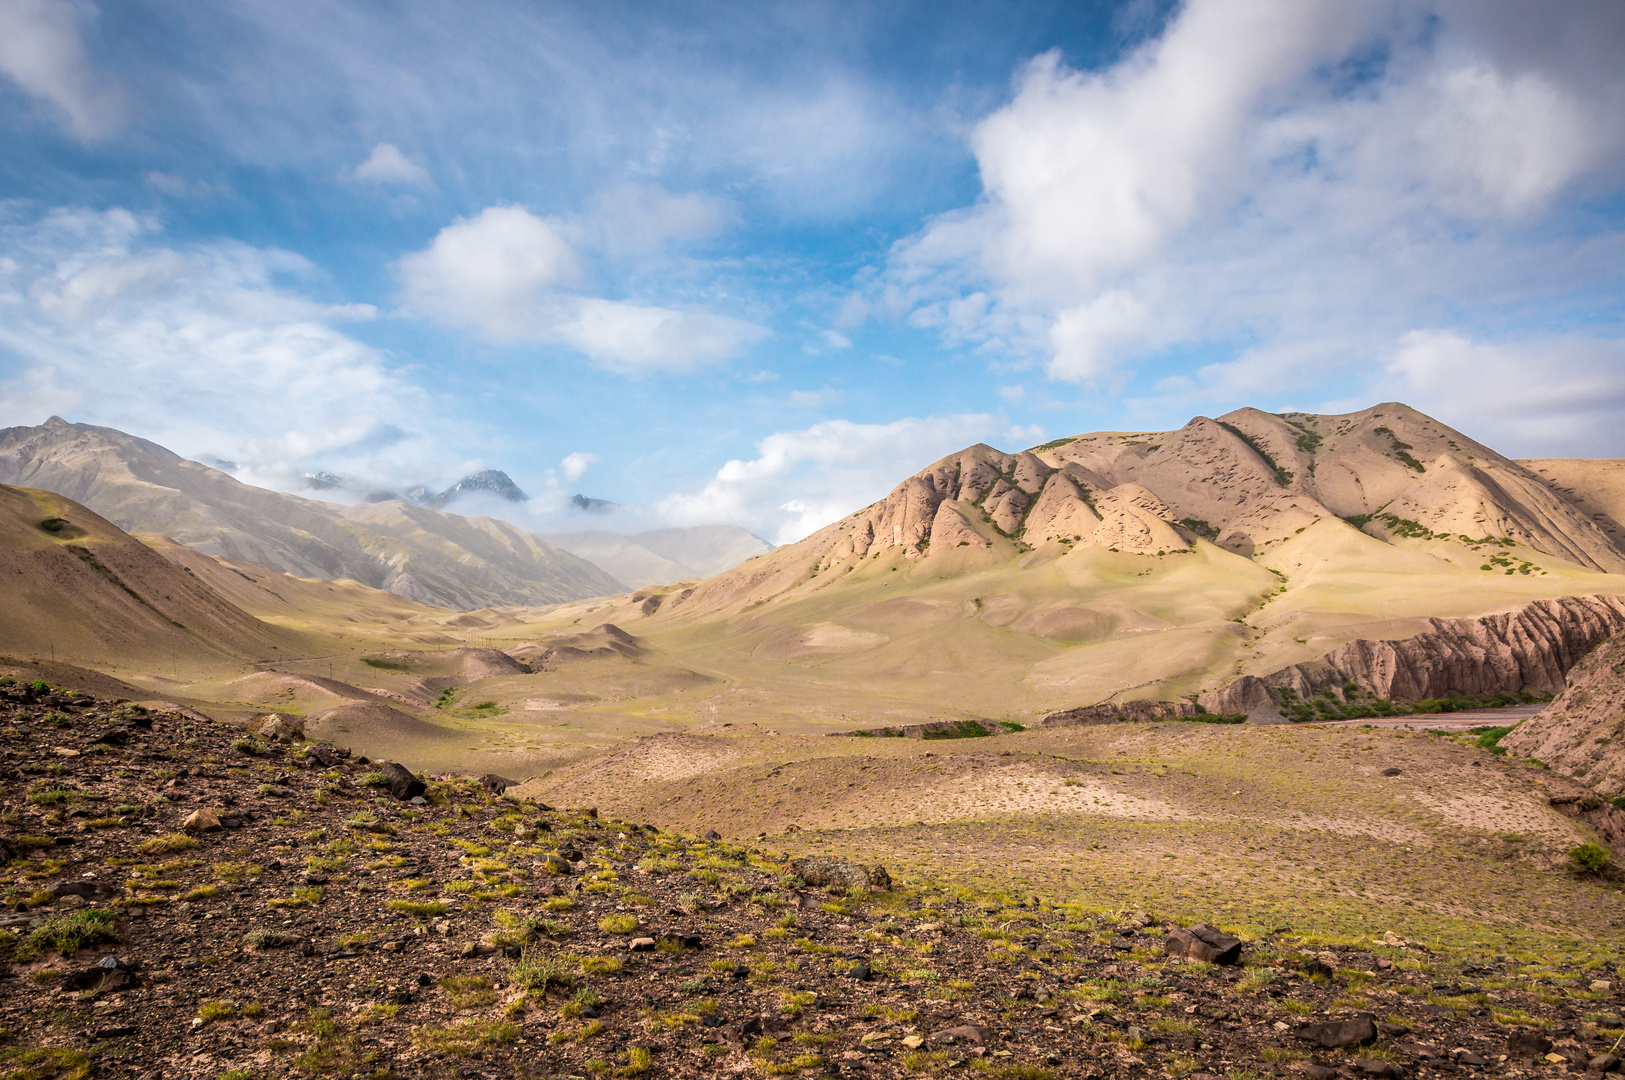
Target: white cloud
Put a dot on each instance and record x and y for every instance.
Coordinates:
(502, 273)
(575, 466)
(813, 399)
(387, 165)
(207, 348)
(495, 272)
(828, 470)
(1298, 178)
(1022, 436)
(43, 52)
(1546, 396)
(35, 394)
(643, 219)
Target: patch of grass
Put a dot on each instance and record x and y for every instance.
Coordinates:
(1589, 858)
(167, 844)
(467, 991)
(211, 1011)
(47, 1063)
(466, 1037)
(303, 896)
(67, 934)
(423, 909)
(618, 924)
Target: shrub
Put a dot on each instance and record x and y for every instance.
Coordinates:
(618, 924)
(533, 971)
(251, 747)
(1589, 858)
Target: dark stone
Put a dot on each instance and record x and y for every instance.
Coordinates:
(712, 1020)
(424, 980)
(712, 834)
(1319, 967)
(1393, 1030)
(752, 1026)
(681, 940)
(88, 890)
(1319, 1072)
(1358, 1030)
(1524, 1043)
(861, 973)
(112, 1033)
(970, 1034)
(1604, 1063)
(113, 737)
(400, 997)
(495, 784)
(1467, 1057)
(1392, 772)
(1368, 1067)
(740, 971)
(402, 784)
(1203, 942)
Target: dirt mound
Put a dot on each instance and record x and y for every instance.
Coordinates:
(370, 724)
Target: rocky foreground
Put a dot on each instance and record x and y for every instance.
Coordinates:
(190, 900)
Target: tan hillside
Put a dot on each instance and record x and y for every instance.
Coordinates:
(77, 587)
(413, 551)
(1112, 567)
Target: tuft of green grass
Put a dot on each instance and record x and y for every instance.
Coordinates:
(67, 934)
(167, 844)
(618, 924)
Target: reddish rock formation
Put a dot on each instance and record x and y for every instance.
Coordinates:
(1114, 713)
(1531, 649)
(1582, 732)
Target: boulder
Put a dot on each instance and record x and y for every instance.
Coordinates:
(969, 1034)
(202, 821)
(1357, 1030)
(1524, 1043)
(1203, 942)
(826, 872)
(282, 728)
(402, 784)
(495, 784)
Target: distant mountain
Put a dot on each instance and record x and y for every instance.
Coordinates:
(663, 555)
(592, 506)
(489, 481)
(413, 551)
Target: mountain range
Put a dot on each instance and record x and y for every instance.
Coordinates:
(417, 552)
(408, 546)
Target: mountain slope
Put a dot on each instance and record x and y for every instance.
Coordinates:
(1249, 481)
(77, 587)
(416, 552)
(1122, 566)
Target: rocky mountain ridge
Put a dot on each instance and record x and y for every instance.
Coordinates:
(1532, 649)
(1247, 482)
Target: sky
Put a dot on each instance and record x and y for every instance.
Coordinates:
(755, 263)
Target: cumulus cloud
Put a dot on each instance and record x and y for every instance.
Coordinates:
(42, 50)
(504, 272)
(387, 165)
(1284, 177)
(575, 466)
(827, 471)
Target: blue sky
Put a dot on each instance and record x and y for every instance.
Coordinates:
(754, 263)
